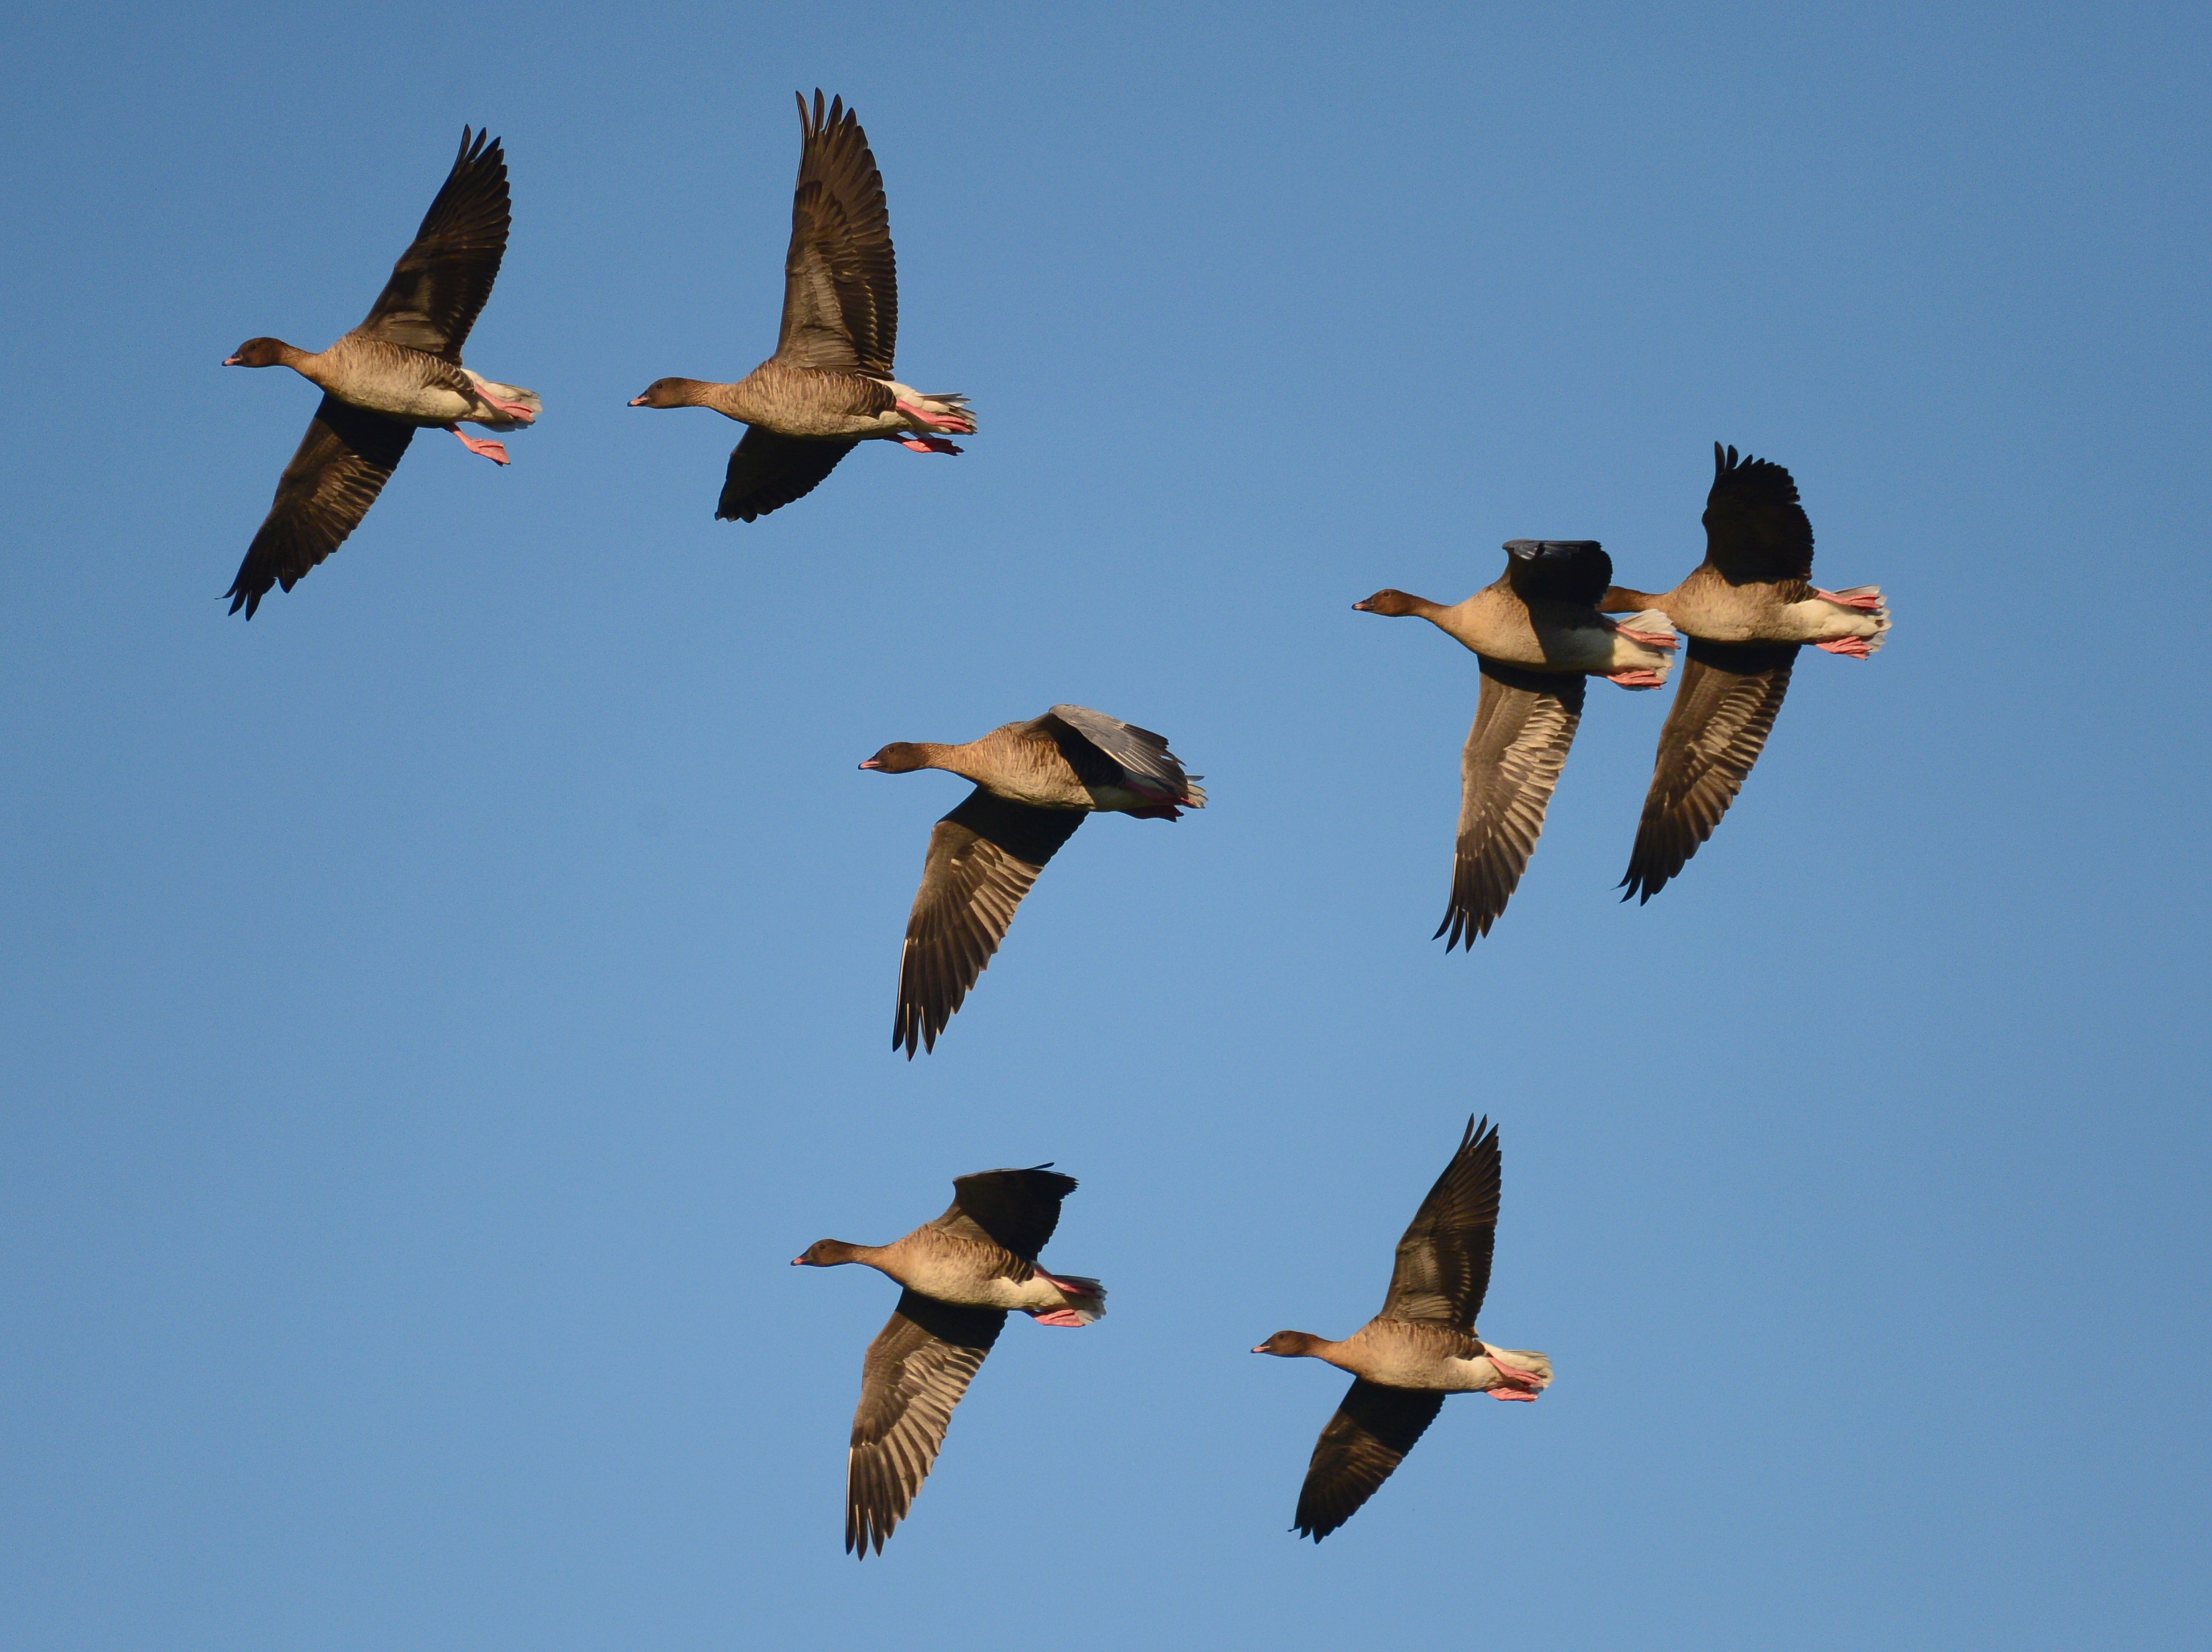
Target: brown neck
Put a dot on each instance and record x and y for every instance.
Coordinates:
(953, 759)
(1393, 605)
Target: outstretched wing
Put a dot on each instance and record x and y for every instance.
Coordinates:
(1756, 532)
(982, 859)
(441, 282)
(839, 278)
(1369, 1436)
(768, 472)
(1015, 1210)
(342, 464)
(1523, 724)
(1442, 1268)
(1715, 731)
(1142, 755)
(914, 1373)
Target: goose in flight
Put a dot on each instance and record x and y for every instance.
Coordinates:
(829, 385)
(1036, 782)
(962, 1274)
(1747, 610)
(399, 372)
(1419, 1348)
(1538, 635)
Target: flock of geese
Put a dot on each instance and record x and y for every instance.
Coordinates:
(1539, 631)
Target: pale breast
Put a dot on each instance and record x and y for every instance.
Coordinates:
(402, 383)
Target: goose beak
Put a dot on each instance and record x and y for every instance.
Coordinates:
(637, 401)
(1360, 607)
(867, 763)
(798, 1261)
(1260, 1350)
(232, 361)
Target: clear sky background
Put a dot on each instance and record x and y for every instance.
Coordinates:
(433, 1015)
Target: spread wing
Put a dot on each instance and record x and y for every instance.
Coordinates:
(1370, 1436)
(1015, 1210)
(1755, 530)
(1142, 755)
(1523, 724)
(768, 472)
(915, 1371)
(839, 279)
(982, 859)
(1442, 1269)
(441, 282)
(342, 464)
(1718, 725)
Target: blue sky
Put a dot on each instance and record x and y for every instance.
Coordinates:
(435, 1014)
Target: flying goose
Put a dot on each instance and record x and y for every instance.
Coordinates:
(1420, 1347)
(1034, 783)
(829, 386)
(1747, 609)
(962, 1274)
(1537, 635)
(399, 372)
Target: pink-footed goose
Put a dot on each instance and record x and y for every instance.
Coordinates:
(1036, 782)
(1422, 1346)
(962, 1274)
(1538, 634)
(1747, 610)
(399, 372)
(829, 385)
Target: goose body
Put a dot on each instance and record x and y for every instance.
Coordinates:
(408, 385)
(962, 1274)
(1747, 610)
(399, 371)
(1429, 1356)
(829, 385)
(1539, 637)
(1422, 1346)
(1036, 782)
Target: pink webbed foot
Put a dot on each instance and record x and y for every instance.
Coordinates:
(1649, 639)
(495, 452)
(1526, 1384)
(1061, 1316)
(951, 422)
(1638, 680)
(1869, 599)
(1854, 647)
(927, 444)
(512, 410)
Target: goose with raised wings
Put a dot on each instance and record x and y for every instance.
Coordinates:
(829, 385)
(399, 372)
(1747, 610)
(962, 1274)
(1539, 636)
(1422, 1346)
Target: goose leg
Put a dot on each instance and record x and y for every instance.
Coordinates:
(512, 410)
(927, 444)
(1865, 597)
(1637, 679)
(936, 421)
(495, 452)
(1853, 647)
(1525, 1383)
